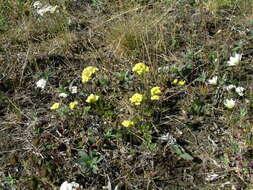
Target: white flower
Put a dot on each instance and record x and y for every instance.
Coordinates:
(163, 69)
(66, 186)
(47, 8)
(212, 177)
(230, 87)
(169, 138)
(213, 81)
(63, 95)
(70, 21)
(73, 89)
(75, 186)
(41, 83)
(70, 186)
(229, 103)
(233, 61)
(164, 137)
(239, 90)
(37, 4)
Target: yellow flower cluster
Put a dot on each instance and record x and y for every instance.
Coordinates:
(140, 68)
(88, 72)
(127, 123)
(92, 98)
(180, 83)
(55, 106)
(73, 105)
(155, 97)
(136, 99)
(155, 91)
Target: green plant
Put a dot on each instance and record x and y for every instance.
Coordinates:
(3, 24)
(89, 161)
(167, 1)
(181, 152)
(198, 107)
(11, 181)
(97, 3)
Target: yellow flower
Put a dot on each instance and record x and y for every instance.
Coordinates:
(181, 82)
(88, 72)
(55, 106)
(175, 81)
(155, 97)
(91, 69)
(86, 78)
(73, 105)
(140, 68)
(127, 123)
(155, 91)
(136, 99)
(92, 98)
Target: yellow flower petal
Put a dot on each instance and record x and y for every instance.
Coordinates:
(140, 68)
(55, 106)
(88, 72)
(73, 105)
(92, 98)
(155, 97)
(175, 81)
(181, 82)
(155, 91)
(136, 99)
(127, 123)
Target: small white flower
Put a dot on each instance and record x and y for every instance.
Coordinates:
(212, 177)
(73, 89)
(70, 21)
(75, 185)
(213, 81)
(229, 103)
(239, 90)
(41, 83)
(70, 186)
(169, 138)
(163, 69)
(164, 137)
(66, 186)
(47, 8)
(63, 95)
(37, 4)
(230, 87)
(233, 61)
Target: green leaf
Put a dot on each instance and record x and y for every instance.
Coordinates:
(83, 155)
(80, 144)
(86, 109)
(148, 112)
(92, 140)
(104, 80)
(97, 3)
(186, 156)
(177, 150)
(110, 133)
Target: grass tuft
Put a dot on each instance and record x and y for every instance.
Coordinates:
(123, 94)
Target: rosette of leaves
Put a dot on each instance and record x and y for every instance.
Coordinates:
(89, 161)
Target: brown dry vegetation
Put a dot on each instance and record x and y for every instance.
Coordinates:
(189, 40)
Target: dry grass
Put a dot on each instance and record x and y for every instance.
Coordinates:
(184, 40)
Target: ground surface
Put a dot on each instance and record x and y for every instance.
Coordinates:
(188, 139)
